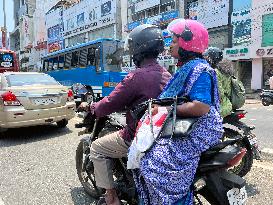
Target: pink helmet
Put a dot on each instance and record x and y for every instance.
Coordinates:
(192, 35)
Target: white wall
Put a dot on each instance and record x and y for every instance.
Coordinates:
(257, 73)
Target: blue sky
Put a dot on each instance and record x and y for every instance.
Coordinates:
(9, 14)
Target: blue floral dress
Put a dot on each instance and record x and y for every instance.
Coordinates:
(167, 170)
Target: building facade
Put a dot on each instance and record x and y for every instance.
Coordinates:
(261, 49)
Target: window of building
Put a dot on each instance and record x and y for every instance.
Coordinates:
(153, 11)
(167, 7)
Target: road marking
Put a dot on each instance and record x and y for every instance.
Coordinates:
(1, 202)
(253, 119)
(254, 108)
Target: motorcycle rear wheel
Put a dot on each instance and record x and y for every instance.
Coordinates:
(246, 163)
(87, 179)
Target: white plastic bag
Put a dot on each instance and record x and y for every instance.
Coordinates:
(147, 132)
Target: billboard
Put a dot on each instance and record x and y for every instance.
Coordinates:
(82, 17)
(241, 22)
(212, 13)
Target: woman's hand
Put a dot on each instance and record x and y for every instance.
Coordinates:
(193, 109)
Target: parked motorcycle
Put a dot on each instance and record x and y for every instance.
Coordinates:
(212, 182)
(267, 97)
(249, 140)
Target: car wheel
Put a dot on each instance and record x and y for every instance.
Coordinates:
(62, 123)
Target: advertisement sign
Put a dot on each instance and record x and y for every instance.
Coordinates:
(267, 29)
(53, 34)
(52, 47)
(82, 17)
(155, 20)
(264, 52)
(241, 22)
(236, 53)
(26, 31)
(142, 5)
(212, 13)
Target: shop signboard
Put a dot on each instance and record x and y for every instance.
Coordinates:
(237, 53)
(264, 52)
(52, 47)
(241, 22)
(82, 17)
(267, 30)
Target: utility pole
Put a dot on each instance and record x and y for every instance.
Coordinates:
(4, 30)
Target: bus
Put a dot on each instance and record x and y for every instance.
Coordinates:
(96, 64)
(8, 61)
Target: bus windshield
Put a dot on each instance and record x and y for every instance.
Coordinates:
(6, 60)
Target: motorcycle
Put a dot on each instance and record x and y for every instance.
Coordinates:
(267, 97)
(213, 182)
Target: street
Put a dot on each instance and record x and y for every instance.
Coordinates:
(37, 165)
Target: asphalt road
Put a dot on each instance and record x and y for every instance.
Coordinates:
(37, 165)
(262, 118)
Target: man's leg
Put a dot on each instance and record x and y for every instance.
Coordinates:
(102, 151)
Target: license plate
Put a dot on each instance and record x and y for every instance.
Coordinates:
(237, 196)
(77, 99)
(252, 139)
(45, 101)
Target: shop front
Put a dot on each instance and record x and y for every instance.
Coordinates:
(240, 55)
(262, 66)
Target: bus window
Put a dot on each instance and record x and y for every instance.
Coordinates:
(83, 58)
(113, 53)
(67, 60)
(61, 62)
(75, 59)
(50, 64)
(55, 63)
(45, 65)
(91, 56)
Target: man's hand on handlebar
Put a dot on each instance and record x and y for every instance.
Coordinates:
(84, 107)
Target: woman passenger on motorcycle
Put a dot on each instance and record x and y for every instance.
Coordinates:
(145, 42)
(167, 170)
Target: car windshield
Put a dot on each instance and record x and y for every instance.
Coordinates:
(30, 79)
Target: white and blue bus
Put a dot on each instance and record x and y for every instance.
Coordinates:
(96, 64)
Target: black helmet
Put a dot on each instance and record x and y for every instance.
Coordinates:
(214, 55)
(143, 41)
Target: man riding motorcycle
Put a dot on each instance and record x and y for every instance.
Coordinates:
(145, 42)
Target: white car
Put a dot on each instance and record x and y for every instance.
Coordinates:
(30, 98)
